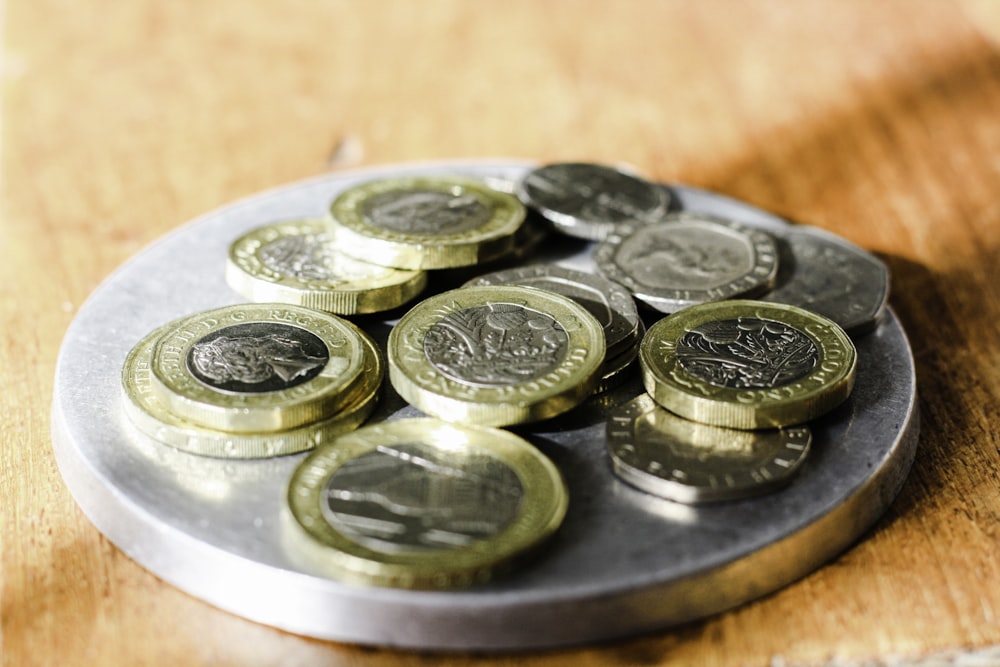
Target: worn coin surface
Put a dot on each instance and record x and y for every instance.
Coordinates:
(421, 503)
(589, 200)
(495, 355)
(656, 451)
(747, 364)
(829, 275)
(688, 258)
(258, 367)
(152, 418)
(297, 262)
(610, 303)
(425, 222)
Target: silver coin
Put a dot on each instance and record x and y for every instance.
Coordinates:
(610, 304)
(828, 275)
(688, 259)
(656, 451)
(589, 200)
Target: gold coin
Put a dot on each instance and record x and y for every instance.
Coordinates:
(747, 364)
(421, 503)
(152, 418)
(297, 262)
(425, 222)
(656, 451)
(496, 355)
(257, 368)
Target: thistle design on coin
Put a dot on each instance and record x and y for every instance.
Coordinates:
(496, 344)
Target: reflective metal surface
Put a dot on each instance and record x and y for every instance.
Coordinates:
(623, 562)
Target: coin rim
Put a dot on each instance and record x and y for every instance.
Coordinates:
(674, 388)
(541, 511)
(420, 383)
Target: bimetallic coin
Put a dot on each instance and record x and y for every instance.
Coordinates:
(589, 200)
(610, 303)
(420, 503)
(259, 367)
(656, 451)
(152, 418)
(297, 262)
(495, 355)
(747, 364)
(826, 274)
(687, 259)
(425, 223)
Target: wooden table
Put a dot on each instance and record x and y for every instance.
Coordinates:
(879, 121)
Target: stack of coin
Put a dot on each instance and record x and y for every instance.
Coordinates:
(252, 380)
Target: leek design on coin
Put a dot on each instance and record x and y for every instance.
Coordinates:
(688, 259)
(420, 503)
(747, 364)
(589, 200)
(826, 274)
(152, 419)
(610, 303)
(425, 222)
(258, 367)
(297, 262)
(495, 355)
(663, 454)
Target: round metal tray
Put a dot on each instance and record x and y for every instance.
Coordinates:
(624, 562)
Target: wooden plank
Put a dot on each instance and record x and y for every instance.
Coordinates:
(875, 120)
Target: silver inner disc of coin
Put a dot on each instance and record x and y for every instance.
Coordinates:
(623, 562)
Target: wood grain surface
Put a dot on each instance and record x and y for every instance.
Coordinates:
(879, 121)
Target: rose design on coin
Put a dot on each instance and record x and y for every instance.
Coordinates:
(496, 345)
(257, 358)
(426, 212)
(412, 497)
(747, 353)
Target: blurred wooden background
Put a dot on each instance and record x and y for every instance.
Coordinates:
(879, 121)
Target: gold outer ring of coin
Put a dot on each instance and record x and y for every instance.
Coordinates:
(355, 234)
(825, 386)
(152, 419)
(361, 287)
(562, 386)
(316, 540)
(669, 456)
(338, 382)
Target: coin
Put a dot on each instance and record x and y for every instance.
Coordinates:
(747, 364)
(663, 454)
(589, 200)
(297, 262)
(827, 274)
(152, 418)
(421, 503)
(425, 222)
(610, 303)
(258, 367)
(495, 355)
(688, 258)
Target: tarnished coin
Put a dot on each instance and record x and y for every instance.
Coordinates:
(747, 364)
(152, 418)
(687, 259)
(610, 303)
(589, 200)
(420, 503)
(826, 274)
(495, 355)
(425, 222)
(258, 367)
(656, 451)
(297, 262)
